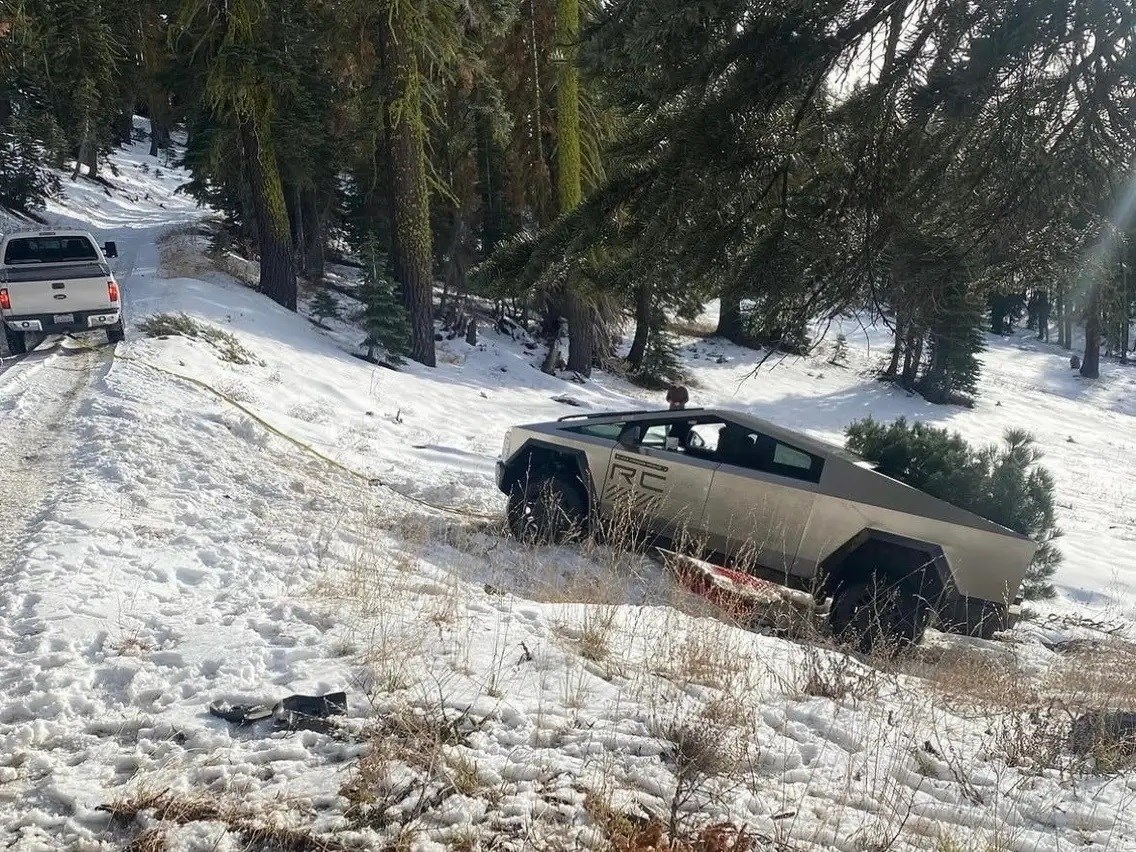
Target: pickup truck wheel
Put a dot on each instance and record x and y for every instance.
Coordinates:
(116, 333)
(547, 510)
(17, 341)
(879, 614)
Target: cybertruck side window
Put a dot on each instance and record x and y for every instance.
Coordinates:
(789, 461)
(743, 447)
(607, 431)
(655, 436)
(688, 436)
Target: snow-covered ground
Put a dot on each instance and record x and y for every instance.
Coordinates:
(182, 529)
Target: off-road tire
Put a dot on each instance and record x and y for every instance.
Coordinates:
(880, 614)
(547, 510)
(17, 341)
(116, 333)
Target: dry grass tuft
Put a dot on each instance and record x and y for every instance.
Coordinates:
(130, 644)
(706, 751)
(364, 578)
(829, 673)
(968, 677)
(692, 328)
(596, 632)
(629, 833)
(180, 325)
(181, 254)
(151, 840)
(186, 809)
(192, 252)
(414, 763)
(709, 655)
(1096, 676)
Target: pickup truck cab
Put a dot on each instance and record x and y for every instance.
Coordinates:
(57, 281)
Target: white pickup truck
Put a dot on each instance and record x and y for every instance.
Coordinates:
(57, 281)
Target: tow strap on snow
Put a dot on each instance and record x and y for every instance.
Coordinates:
(369, 480)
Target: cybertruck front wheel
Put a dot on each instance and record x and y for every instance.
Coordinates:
(547, 510)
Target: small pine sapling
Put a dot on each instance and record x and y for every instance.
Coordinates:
(662, 362)
(839, 351)
(384, 316)
(324, 307)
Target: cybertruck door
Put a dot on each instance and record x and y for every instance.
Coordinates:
(655, 487)
(760, 505)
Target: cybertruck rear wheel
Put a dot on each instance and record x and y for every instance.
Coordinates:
(548, 510)
(879, 614)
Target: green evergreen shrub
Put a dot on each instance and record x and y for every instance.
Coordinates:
(1003, 483)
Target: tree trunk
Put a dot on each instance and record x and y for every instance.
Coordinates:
(84, 151)
(313, 234)
(577, 310)
(155, 135)
(642, 326)
(581, 333)
(1064, 319)
(124, 127)
(730, 316)
(912, 357)
(551, 325)
(1043, 316)
(997, 315)
(295, 224)
(568, 180)
(892, 371)
(277, 264)
(406, 149)
(1059, 314)
(1090, 364)
(1125, 304)
(159, 133)
(5, 107)
(492, 180)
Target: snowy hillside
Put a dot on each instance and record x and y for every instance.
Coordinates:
(260, 513)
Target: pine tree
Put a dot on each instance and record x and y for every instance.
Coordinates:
(661, 364)
(1002, 483)
(384, 315)
(956, 340)
(24, 182)
(324, 306)
(1019, 496)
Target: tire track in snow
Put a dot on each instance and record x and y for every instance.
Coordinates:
(37, 420)
(39, 404)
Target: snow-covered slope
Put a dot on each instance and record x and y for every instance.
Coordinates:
(191, 542)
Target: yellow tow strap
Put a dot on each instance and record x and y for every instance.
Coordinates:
(369, 480)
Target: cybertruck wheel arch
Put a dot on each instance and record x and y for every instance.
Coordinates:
(874, 550)
(548, 458)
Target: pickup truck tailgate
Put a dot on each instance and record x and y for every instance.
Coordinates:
(58, 289)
